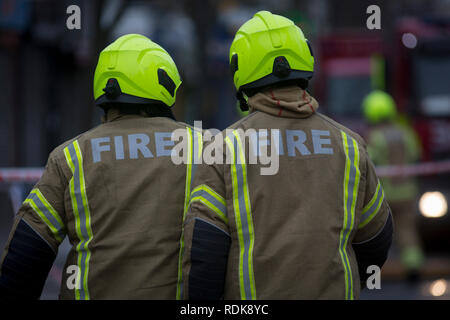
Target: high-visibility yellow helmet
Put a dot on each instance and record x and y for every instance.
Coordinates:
(269, 49)
(379, 106)
(134, 69)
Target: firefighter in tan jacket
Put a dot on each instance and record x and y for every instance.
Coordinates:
(390, 142)
(307, 227)
(113, 191)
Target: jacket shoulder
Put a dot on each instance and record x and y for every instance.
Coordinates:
(242, 122)
(58, 152)
(341, 127)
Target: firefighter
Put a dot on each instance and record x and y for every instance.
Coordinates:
(309, 230)
(391, 143)
(113, 191)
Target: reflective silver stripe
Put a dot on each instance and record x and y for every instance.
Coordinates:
(372, 209)
(351, 184)
(218, 206)
(195, 149)
(82, 217)
(243, 217)
(56, 227)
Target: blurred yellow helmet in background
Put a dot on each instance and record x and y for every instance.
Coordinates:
(379, 106)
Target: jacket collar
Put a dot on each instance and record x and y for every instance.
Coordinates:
(114, 114)
(286, 102)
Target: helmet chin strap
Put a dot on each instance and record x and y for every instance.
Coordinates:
(243, 104)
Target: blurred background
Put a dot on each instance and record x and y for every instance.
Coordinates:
(46, 74)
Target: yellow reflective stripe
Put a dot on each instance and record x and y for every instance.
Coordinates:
(187, 191)
(47, 213)
(211, 206)
(80, 205)
(237, 217)
(211, 191)
(351, 186)
(87, 214)
(187, 195)
(243, 217)
(374, 198)
(373, 207)
(72, 193)
(69, 159)
(249, 215)
(39, 212)
(48, 206)
(200, 144)
(342, 250)
(76, 214)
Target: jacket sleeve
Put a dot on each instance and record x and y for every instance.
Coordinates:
(375, 226)
(33, 243)
(206, 236)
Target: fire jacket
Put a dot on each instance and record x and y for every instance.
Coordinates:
(395, 144)
(308, 229)
(118, 197)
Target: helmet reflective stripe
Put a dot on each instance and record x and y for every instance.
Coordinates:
(134, 69)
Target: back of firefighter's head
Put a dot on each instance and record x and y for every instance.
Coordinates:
(269, 50)
(378, 106)
(134, 71)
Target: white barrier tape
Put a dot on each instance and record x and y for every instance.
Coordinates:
(32, 175)
(26, 175)
(420, 169)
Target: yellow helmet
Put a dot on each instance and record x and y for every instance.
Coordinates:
(269, 49)
(134, 69)
(379, 106)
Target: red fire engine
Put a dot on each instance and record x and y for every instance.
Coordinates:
(413, 64)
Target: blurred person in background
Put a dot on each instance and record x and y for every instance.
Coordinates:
(113, 191)
(392, 143)
(309, 230)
